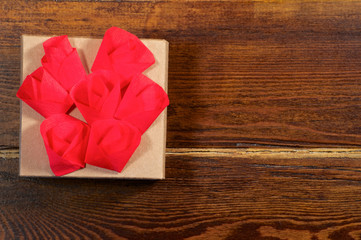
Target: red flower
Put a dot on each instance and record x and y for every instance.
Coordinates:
(142, 102)
(98, 96)
(62, 61)
(122, 52)
(45, 95)
(111, 144)
(66, 141)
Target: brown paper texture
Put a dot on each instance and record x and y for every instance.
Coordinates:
(148, 161)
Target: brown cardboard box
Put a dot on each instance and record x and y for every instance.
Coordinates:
(148, 161)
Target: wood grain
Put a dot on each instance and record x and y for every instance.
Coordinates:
(202, 198)
(263, 127)
(266, 73)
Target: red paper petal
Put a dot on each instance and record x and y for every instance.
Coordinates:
(122, 52)
(62, 61)
(45, 95)
(98, 96)
(143, 101)
(65, 140)
(60, 43)
(111, 144)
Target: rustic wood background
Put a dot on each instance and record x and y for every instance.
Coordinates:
(264, 129)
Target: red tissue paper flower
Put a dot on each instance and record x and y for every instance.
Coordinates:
(63, 62)
(44, 94)
(98, 96)
(111, 144)
(65, 140)
(118, 102)
(122, 52)
(137, 105)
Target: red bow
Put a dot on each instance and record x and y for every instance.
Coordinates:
(118, 102)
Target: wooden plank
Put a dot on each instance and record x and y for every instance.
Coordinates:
(265, 73)
(235, 197)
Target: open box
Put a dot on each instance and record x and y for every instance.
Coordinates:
(148, 161)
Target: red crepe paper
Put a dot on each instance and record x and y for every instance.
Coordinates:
(45, 95)
(65, 140)
(122, 52)
(143, 101)
(98, 96)
(118, 102)
(63, 62)
(111, 144)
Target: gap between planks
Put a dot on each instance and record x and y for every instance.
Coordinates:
(268, 153)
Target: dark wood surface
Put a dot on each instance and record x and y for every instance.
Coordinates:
(264, 136)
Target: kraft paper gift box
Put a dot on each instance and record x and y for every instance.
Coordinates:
(147, 162)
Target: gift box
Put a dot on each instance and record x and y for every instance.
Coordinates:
(148, 160)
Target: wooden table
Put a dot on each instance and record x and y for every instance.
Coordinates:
(264, 126)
